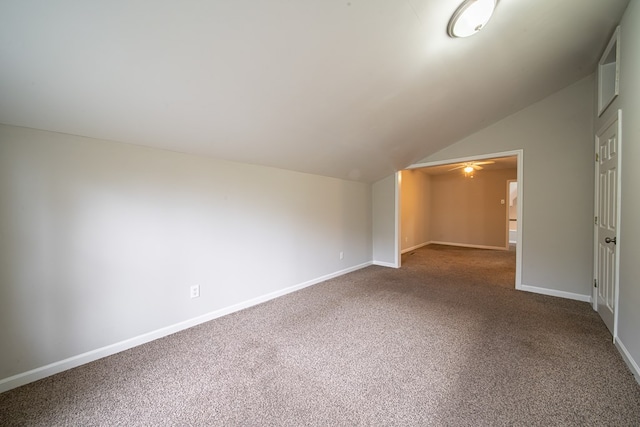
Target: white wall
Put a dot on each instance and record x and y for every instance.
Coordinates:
(556, 137)
(100, 242)
(629, 243)
(384, 225)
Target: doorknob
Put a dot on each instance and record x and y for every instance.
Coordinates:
(610, 240)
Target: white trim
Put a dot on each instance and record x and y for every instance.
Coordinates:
(467, 245)
(398, 222)
(616, 283)
(520, 175)
(413, 248)
(604, 104)
(520, 210)
(466, 159)
(84, 358)
(556, 293)
(385, 264)
(596, 195)
(632, 364)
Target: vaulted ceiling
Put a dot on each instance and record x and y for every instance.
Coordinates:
(353, 89)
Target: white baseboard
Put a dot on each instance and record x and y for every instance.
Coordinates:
(385, 264)
(84, 358)
(633, 366)
(413, 248)
(555, 293)
(465, 245)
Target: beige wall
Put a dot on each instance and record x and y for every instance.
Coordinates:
(468, 211)
(415, 208)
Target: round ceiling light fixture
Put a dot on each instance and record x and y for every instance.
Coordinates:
(471, 17)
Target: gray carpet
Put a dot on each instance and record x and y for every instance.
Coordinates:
(444, 341)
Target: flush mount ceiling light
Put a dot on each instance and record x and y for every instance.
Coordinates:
(471, 17)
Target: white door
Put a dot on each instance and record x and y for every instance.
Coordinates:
(607, 205)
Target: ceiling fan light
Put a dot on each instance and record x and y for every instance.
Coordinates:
(468, 169)
(470, 17)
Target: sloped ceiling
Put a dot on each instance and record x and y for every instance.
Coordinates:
(352, 89)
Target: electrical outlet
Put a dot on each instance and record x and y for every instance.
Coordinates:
(195, 291)
(341, 255)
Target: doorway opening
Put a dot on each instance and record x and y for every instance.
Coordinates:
(463, 202)
(512, 211)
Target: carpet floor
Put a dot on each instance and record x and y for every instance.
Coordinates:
(445, 341)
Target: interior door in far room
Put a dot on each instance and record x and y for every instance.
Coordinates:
(607, 219)
(512, 211)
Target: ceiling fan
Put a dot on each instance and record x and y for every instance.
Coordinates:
(470, 167)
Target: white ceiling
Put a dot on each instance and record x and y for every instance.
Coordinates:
(353, 89)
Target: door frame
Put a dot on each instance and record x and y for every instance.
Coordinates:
(519, 154)
(612, 119)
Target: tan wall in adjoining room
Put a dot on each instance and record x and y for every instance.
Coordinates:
(469, 210)
(415, 209)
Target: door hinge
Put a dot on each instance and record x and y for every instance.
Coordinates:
(596, 221)
(595, 283)
(597, 157)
